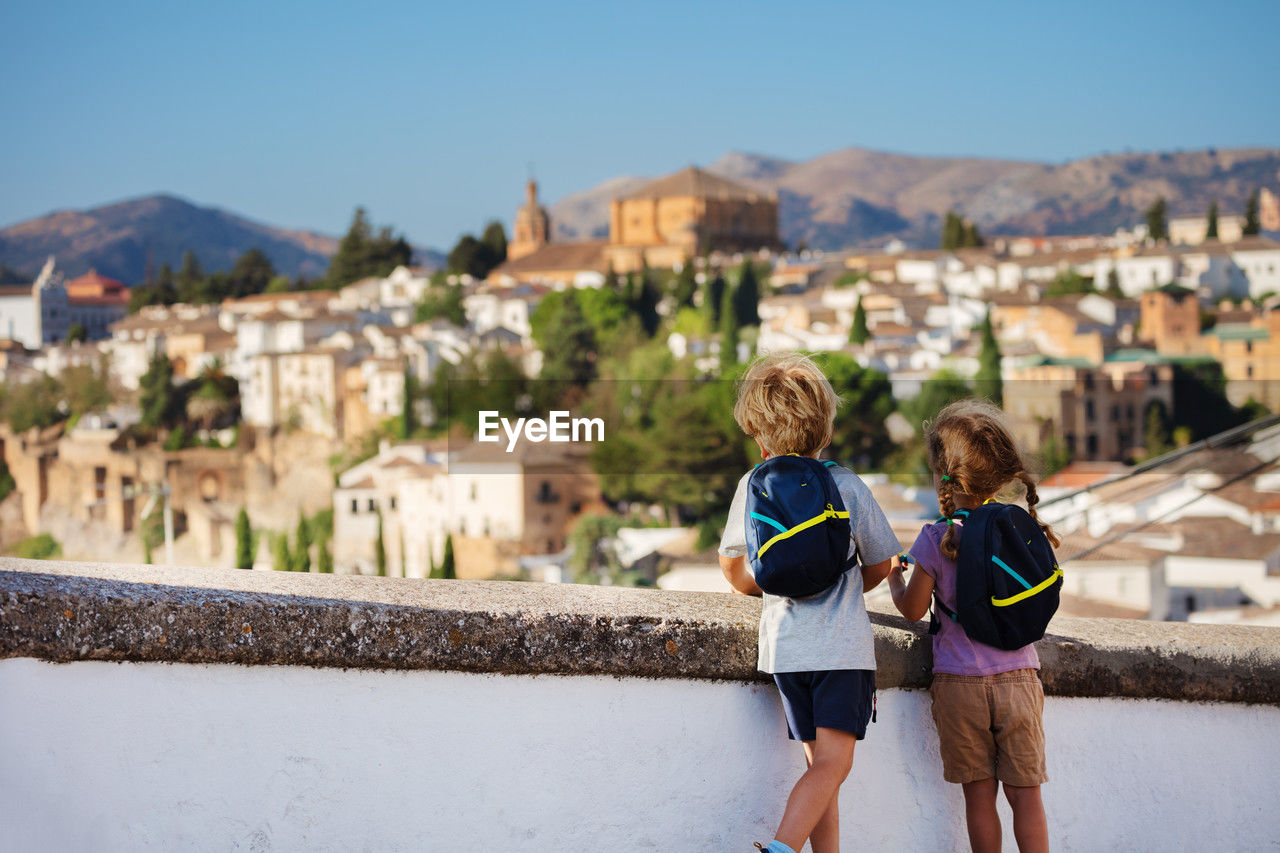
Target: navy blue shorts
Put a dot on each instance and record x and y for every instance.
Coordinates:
(832, 699)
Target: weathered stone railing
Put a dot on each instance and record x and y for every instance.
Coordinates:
(367, 712)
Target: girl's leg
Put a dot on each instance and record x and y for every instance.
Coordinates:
(981, 817)
(812, 796)
(825, 837)
(1030, 826)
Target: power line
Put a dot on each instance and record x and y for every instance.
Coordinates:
(1203, 493)
(1222, 439)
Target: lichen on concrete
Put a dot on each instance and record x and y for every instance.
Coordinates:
(62, 611)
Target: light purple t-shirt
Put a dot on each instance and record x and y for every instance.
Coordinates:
(953, 651)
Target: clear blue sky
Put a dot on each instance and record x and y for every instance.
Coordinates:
(428, 114)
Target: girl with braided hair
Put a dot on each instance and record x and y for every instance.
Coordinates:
(987, 702)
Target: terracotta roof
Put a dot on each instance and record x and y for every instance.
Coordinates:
(1077, 475)
(694, 182)
(559, 257)
(94, 283)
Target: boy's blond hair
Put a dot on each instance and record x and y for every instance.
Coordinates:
(786, 403)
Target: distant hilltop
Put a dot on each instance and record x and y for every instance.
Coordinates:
(856, 197)
(119, 240)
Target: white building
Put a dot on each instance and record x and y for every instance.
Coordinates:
(38, 313)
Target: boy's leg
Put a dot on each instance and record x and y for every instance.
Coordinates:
(981, 817)
(826, 834)
(812, 796)
(1030, 826)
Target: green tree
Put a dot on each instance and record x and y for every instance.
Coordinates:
(1252, 224)
(1069, 281)
(643, 298)
(728, 332)
(190, 279)
(685, 285)
(494, 241)
(77, 333)
(858, 331)
(952, 231)
(7, 484)
(362, 254)
(746, 296)
(448, 568)
(324, 560)
(445, 301)
(1155, 435)
(970, 237)
(209, 404)
(86, 388)
(569, 349)
(39, 547)
(988, 381)
(244, 541)
(251, 274)
(159, 400)
(1211, 222)
(1157, 221)
(281, 559)
(713, 297)
(302, 546)
(859, 437)
(37, 404)
(380, 551)
(279, 284)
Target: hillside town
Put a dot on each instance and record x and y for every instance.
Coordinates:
(327, 429)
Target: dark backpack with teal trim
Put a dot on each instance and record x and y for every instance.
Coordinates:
(797, 527)
(1007, 579)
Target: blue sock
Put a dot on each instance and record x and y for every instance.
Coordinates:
(776, 846)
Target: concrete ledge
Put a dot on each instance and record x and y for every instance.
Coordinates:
(62, 611)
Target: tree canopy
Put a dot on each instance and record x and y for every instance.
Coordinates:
(364, 254)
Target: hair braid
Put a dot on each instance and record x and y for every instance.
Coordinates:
(1032, 499)
(946, 501)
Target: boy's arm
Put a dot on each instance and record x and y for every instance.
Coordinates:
(735, 572)
(910, 597)
(872, 575)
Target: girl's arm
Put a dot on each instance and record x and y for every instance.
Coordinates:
(735, 572)
(910, 597)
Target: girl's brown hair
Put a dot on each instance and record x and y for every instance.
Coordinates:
(973, 452)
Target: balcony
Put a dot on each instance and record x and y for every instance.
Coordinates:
(161, 708)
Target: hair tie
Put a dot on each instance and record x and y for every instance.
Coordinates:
(950, 521)
(946, 476)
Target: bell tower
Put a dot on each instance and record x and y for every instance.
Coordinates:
(532, 226)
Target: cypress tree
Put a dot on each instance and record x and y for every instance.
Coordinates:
(380, 551)
(448, 570)
(952, 231)
(858, 332)
(746, 297)
(685, 285)
(728, 332)
(281, 560)
(1251, 224)
(302, 546)
(1211, 222)
(324, 560)
(244, 541)
(713, 298)
(988, 381)
(1157, 222)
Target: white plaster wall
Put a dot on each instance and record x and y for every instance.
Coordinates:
(102, 756)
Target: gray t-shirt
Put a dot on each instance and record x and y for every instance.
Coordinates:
(829, 630)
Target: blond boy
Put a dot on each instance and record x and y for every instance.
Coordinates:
(819, 649)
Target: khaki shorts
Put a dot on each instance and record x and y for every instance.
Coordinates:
(990, 726)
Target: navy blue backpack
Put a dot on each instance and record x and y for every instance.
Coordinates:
(797, 526)
(1007, 578)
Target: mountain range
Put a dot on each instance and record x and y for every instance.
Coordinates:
(849, 198)
(857, 197)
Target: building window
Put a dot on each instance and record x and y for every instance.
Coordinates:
(1092, 445)
(1088, 410)
(473, 492)
(393, 503)
(373, 505)
(1115, 414)
(355, 506)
